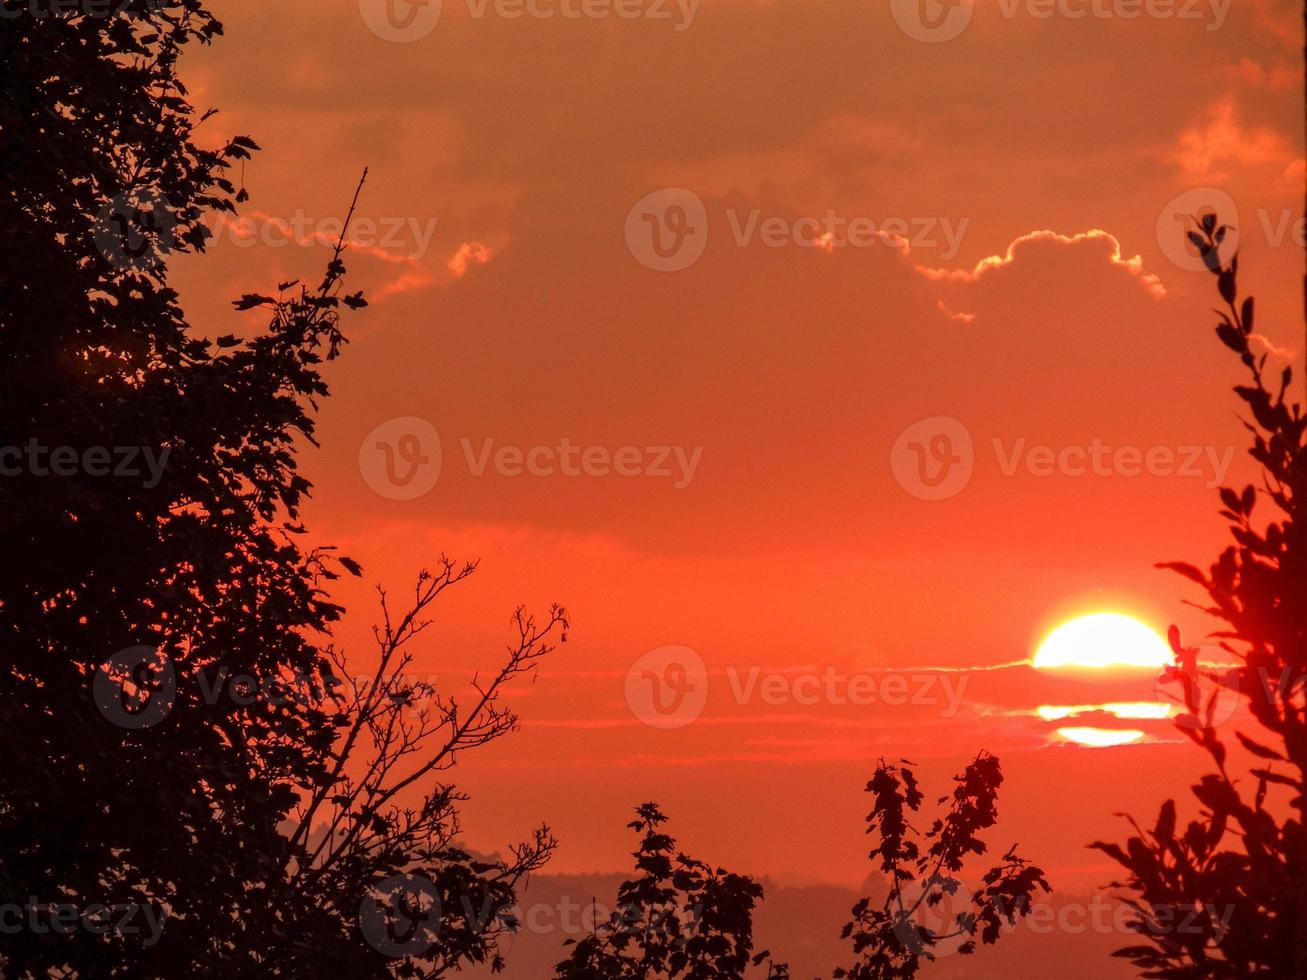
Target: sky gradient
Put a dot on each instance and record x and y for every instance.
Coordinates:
(990, 240)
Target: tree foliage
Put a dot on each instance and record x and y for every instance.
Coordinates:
(680, 919)
(257, 824)
(375, 844)
(1238, 871)
(928, 905)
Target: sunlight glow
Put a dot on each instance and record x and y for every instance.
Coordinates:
(1099, 738)
(1103, 640)
(1121, 709)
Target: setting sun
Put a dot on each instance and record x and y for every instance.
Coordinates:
(1102, 640)
(1101, 738)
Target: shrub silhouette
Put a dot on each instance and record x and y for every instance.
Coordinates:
(1226, 895)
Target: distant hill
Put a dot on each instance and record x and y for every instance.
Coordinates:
(801, 926)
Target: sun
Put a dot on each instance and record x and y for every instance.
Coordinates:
(1101, 738)
(1103, 640)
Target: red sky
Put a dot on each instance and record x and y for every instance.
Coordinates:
(1051, 314)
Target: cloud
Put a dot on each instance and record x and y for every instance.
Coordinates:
(955, 316)
(1279, 76)
(1093, 241)
(1268, 346)
(469, 253)
(408, 281)
(1221, 139)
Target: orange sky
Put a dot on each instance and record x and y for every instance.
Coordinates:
(1027, 161)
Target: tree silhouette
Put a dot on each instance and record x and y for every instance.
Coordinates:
(258, 822)
(1227, 895)
(911, 924)
(358, 849)
(681, 919)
